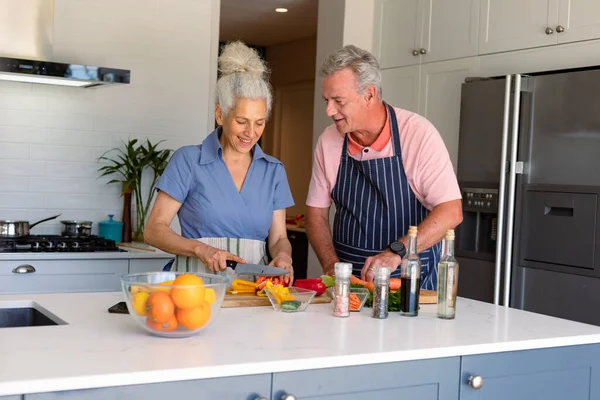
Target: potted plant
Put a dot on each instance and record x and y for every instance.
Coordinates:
(128, 165)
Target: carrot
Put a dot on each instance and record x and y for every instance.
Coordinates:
(357, 281)
(370, 286)
(354, 302)
(395, 283)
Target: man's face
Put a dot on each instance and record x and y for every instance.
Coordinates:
(343, 104)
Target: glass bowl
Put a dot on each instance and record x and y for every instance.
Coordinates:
(361, 293)
(163, 309)
(298, 300)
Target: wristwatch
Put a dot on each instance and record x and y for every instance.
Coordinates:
(398, 247)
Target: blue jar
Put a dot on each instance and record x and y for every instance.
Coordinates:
(110, 229)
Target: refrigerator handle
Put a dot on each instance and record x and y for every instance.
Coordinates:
(510, 211)
(502, 191)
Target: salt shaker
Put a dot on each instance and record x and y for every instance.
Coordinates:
(341, 302)
(381, 289)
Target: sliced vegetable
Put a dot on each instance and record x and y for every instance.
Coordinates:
(315, 284)
(290, 305)
(328, 281)
(280, 292)
(354, 302)
(241, 286)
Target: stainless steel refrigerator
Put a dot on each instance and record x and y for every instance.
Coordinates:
(529, 171)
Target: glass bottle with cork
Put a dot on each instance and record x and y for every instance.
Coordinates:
(381, 289)
(410, 277)
(447, 280)
(341, 301)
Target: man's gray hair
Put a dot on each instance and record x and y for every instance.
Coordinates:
(363, 64)
(243, 74)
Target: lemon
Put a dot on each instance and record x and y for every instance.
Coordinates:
(138, 303)
(210, 295)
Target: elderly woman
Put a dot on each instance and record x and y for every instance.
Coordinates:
(229, 195)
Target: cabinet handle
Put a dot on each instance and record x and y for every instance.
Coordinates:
(24, 269)
(560, 29)
(549, 31)
(415, 52)
(476, 382)
(261, 398)
(288, 397)
(423, 51)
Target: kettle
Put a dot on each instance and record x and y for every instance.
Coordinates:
(111, 229)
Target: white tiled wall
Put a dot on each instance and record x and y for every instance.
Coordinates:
(51, 137)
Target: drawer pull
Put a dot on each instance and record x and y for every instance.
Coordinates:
(24, 269)
(476, 382)
(288, 397)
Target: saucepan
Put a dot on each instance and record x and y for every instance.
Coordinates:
(76, 228)
(15, 229)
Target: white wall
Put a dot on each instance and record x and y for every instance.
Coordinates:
(50, 137)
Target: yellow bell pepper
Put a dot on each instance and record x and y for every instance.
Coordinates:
(280, 292)
(241, 286)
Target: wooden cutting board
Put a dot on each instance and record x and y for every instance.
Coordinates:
(428, 297)
(238, 300)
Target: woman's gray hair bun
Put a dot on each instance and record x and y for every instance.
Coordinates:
(243, 74)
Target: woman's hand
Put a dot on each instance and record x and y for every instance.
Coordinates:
(284, 261)
(215, 259)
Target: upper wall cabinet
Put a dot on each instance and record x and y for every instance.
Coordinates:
(411, 32)
(514, 24)
(578, 20)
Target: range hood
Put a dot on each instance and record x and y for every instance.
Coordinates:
(53, 73)
(26, 41)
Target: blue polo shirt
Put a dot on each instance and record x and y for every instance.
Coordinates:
(211, 205)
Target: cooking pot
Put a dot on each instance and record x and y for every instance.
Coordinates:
(76, 228)
(15, 229)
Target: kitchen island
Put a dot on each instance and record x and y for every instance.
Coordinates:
(256, 353)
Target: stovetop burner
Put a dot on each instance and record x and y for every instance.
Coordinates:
(57, 243)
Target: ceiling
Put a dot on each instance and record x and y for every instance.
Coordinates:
(256, 23)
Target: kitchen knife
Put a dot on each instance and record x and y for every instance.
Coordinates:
(256, 269)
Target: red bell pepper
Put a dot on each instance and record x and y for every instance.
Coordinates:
(315, 284)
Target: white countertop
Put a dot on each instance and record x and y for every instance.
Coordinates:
(98, 349)
(129, 253)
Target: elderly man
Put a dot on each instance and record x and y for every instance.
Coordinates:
(385, 169)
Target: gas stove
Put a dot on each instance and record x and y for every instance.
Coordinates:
(57, 243)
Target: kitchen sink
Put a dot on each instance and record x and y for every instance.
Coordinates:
(15, 314)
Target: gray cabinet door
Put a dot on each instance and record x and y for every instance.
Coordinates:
(147, 265)
(19, 397)
(571, 373)
(436, 379)
(236, 388)
(62, 276)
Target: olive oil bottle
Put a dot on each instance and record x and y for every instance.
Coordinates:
(447, 280)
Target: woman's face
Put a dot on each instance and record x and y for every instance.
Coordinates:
(244, 124)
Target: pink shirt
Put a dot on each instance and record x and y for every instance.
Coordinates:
(425, 158)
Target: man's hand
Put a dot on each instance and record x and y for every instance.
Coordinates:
(384, 259)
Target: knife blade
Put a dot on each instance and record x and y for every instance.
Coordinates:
(256, 269)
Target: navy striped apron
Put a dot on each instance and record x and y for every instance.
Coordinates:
(375, 206)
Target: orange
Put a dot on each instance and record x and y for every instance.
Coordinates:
(159, 307)
(210, 296)
(187, 291)
(138, 302)
(170, 325)
(194, 318)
